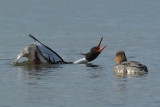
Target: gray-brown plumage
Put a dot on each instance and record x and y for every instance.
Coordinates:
(128, 67)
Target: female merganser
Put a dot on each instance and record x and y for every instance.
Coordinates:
(125, 67)
(39, 53)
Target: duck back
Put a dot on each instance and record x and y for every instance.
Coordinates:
(131, 67)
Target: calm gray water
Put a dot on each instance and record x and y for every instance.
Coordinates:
(70, 27)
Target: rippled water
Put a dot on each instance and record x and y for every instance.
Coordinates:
(70, 27)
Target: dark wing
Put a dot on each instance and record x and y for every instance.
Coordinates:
(48, 53)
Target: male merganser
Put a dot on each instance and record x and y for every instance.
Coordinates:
(125, 67)
(90, 56)
(39, 53)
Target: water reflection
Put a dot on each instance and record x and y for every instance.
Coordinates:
(121, 87)
(119, 76)
(92, 65)
(123, 79)
(29, 66)
(29, 71)
(94, 70)
(123, 82)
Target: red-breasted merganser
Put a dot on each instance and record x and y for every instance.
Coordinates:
(93, 54)
(40, 53)
(125, 67)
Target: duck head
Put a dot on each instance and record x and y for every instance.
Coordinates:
(94, 52)
(120, 57)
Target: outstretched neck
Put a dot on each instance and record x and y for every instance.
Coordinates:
(81, 61)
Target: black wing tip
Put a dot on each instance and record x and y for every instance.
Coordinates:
(32, 36)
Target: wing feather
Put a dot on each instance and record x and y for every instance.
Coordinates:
(50, 55)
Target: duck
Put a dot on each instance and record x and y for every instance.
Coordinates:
(38, 53)
(92, 55)
(128, 67)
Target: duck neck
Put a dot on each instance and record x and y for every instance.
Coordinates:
(81, 61)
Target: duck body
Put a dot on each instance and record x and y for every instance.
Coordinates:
(128, 67)
(131, 67)
(39, 53)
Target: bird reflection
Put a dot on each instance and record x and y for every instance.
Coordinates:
(29, 66)
(119, 76)
(94, 70)
(92, 65)
(29, 70)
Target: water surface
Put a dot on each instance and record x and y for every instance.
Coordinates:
(70, 27)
